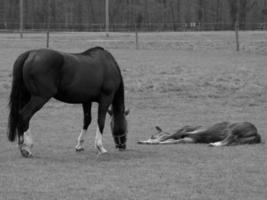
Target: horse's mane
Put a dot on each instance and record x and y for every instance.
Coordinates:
(91, 50)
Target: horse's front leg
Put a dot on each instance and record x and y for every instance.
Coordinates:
(102, 111)
(79, 146)
(99, 141)
(87, 118)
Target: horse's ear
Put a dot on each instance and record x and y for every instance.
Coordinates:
(126, 112)
(158, 129)
(110, 112)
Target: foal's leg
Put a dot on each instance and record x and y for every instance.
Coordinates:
(230, 139)
(184, 140)
(253, 139)
(102, 111)
(25, 141)
(87, 118)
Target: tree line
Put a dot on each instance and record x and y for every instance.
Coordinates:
(147, 15)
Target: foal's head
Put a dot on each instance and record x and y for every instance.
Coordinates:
(119, 128)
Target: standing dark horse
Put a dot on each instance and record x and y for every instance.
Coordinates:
(91, 76)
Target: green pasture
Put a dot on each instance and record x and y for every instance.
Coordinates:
(174, 79)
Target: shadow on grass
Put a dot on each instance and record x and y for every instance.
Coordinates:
(130, 154)
(92, 156)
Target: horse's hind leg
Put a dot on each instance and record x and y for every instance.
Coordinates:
(87, 118)
(25, 141)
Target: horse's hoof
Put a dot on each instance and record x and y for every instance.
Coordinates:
(79, 149)
(100, 150)
(25, 153)
(103, 152)
(121, 147)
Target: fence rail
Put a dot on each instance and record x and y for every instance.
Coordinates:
(144, 27)
(250, 41)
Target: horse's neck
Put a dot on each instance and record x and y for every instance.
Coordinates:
(119, 122)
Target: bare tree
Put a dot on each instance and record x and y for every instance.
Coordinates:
(245, 7)
(218, 15)
(76, 13)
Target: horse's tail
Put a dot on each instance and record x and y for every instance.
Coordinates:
(18, 96)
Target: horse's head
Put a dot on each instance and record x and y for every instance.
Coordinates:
(119, 128)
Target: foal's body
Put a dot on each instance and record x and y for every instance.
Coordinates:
(91, 76)
(220, 134)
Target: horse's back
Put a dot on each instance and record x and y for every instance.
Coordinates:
(88, 75)
(72, 78)
(213, 133)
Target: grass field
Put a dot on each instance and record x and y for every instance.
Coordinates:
(173, 80)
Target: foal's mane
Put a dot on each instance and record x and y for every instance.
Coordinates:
(91, 50)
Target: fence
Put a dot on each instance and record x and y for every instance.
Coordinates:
(250, 41)
(144, 27)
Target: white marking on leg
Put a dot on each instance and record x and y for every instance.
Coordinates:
(99, 142)
(80, 140)
(179, 141)
(216, 144)
(28, 141)
(25, 148)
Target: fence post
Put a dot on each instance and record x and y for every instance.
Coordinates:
(136, 37)
(21, 18)
(237, 25)
(107, 17)
(47, 39)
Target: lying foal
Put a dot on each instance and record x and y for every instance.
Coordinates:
(220, 134)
